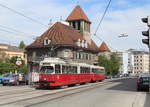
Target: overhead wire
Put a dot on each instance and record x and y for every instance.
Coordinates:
(21, 14)
(12, 29)
(7, 31)
(103, 16)
(99, 24)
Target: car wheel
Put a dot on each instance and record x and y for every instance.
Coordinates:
(4, 84)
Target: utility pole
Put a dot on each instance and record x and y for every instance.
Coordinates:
(147, 41)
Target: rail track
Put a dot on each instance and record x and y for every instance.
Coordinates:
(56, 94)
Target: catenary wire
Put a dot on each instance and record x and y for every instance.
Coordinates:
(8, 28)
(21, 14)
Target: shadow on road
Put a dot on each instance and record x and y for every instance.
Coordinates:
(126, 84)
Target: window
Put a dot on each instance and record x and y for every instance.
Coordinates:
(57, 69)
(69, 69)
(46, 41)
(85, 70)
(78, 25)
(77, 55)
(73, 23)
(47, 69)
(66, 53)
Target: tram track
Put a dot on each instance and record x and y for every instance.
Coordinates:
(57, 94)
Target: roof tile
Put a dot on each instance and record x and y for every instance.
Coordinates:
(63, 35)
(104, 47)
(77, 14)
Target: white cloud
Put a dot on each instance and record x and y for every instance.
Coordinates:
(124, 21)
(115, 23)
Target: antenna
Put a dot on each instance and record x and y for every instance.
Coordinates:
(60, 18)
(50, 22)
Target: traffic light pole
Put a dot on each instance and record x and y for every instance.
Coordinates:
(149, 68)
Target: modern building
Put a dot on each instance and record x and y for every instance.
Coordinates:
(138, 62)
(68, 40)
(8, 51)
(123, 60)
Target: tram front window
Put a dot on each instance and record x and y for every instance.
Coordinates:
(47, 70)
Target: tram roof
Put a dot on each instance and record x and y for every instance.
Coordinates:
(66, 61)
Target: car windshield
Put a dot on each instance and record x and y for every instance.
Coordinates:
(47, 70)
(145, 79)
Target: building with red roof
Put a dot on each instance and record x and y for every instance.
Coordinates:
(103, 47)
(71, 39)
(104, 50)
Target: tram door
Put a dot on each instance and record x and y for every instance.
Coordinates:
(33, 73)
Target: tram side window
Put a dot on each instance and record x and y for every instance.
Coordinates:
(94, 71)
(85, 70)
(57, 69)
(64, 69)
(75, 69)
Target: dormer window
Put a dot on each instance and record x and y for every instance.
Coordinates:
(85, 44)
(78, 43)
(82, 43)
(46, 41)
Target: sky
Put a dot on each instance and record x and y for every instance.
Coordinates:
(122, 17)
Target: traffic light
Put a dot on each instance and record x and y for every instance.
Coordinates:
(146, 33)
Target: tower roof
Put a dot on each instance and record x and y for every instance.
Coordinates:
(104, 47)
(77, 14)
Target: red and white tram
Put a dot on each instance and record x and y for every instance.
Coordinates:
(58, 72)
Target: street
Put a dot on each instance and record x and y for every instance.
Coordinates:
(118, 93)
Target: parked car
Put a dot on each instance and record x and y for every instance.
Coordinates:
(115, 76)
(108, 76)
(9, 79)
(143, 83)
(22, 79)
(2, 77)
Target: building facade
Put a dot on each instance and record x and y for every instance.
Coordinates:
(123, 60)
(8, 51)
(69, 40)
(138, 62)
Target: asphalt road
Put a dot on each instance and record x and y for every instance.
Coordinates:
(119, 93)
(147, 102)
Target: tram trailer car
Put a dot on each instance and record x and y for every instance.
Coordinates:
(59, 72)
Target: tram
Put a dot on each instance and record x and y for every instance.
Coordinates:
(59, 72)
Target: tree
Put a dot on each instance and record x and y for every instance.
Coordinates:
(115, 63)
(22, 45)
(104, 61)
(22, 68)
(111, 64)
(6, 67)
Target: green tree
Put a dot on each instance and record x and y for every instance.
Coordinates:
(115, 63)
(13, 59)
(22, 68)
(22, 45)
(111, 64)
(6, 67)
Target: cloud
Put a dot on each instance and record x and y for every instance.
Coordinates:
(124, 21)
(123, 16)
